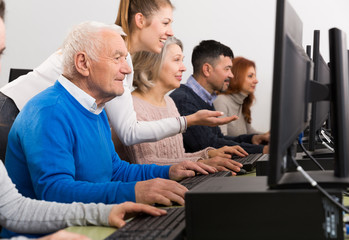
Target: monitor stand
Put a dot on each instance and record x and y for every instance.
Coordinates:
(321, 153)
(262, 165)
(326, 179)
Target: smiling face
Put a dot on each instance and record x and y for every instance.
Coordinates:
(250, 81)
(106, 75)
(220, 74)
(155, 33)
(172, 68)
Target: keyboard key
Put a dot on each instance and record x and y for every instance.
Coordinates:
(143, 226)
(194, 181)
(248, 162)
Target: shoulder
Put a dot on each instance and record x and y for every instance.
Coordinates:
(183, 89)
(170, 103)
(52, 102)
(45, 98)
(137, 101)
(181, 93)
(221, 99)
(140, 105)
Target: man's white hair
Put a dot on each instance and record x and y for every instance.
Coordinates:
(85, 37)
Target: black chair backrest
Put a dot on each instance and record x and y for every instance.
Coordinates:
(17, 72)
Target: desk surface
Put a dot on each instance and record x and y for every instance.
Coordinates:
(100, 233)
(93, 232)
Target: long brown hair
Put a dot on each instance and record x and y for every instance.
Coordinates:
(129, 8)
(239, 70)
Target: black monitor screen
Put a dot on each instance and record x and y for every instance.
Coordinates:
(339, 100)
(319, 110)
(290, 82)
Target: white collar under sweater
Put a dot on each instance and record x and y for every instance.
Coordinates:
(82, 97)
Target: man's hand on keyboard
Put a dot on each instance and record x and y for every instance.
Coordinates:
(261, 138)
(223, 164)
(126, 210)
(266, 149)
(227, 152)
(161, 191)
(189, 169)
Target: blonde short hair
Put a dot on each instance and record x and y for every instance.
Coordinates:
(147, 65)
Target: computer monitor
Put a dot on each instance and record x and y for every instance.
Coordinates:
(292, 92)
(319, 110)
(292, 67)
(339, 100)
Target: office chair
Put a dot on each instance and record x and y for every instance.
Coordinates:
(17, 72)
(9, 112)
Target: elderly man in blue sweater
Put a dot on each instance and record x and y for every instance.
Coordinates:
(60, 146)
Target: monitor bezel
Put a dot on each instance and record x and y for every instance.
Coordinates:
(289, 27)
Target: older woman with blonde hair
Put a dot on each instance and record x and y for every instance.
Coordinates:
(154, 76)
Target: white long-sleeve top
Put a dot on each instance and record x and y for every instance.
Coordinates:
(120, 110)
(24, 215)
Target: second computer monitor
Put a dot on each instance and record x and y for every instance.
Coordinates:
(340, 100)
(320, 110)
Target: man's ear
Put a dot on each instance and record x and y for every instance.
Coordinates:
(206, 69)
(82, 63)
(139, 20)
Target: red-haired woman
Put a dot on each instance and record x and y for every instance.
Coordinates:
(238, 98)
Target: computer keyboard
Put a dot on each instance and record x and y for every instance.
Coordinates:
(170, 226)
(248, 162)
(194, 181)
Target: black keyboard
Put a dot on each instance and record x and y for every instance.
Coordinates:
(194, 181)
(248, 162)
(143, 226)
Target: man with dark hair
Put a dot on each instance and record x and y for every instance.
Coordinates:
(212, 62)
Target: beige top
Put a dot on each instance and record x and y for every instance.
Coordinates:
(232, 105)
(164, 152)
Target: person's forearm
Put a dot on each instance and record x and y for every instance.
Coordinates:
(138, 172)
(124, 122)
(165, 161)
(24, 215)
(35, 216)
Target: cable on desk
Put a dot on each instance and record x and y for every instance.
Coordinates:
(328, 138)
(307, 153)
(316, 185)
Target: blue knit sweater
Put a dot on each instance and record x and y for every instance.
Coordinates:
(199, 137)
(59, 151)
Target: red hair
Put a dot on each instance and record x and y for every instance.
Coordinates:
(239, 70)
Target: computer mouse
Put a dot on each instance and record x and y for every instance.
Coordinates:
(242, 172)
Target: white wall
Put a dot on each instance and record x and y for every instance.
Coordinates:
(35, 28)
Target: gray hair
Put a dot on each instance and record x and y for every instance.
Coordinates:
(147, 65)
(84, 37)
